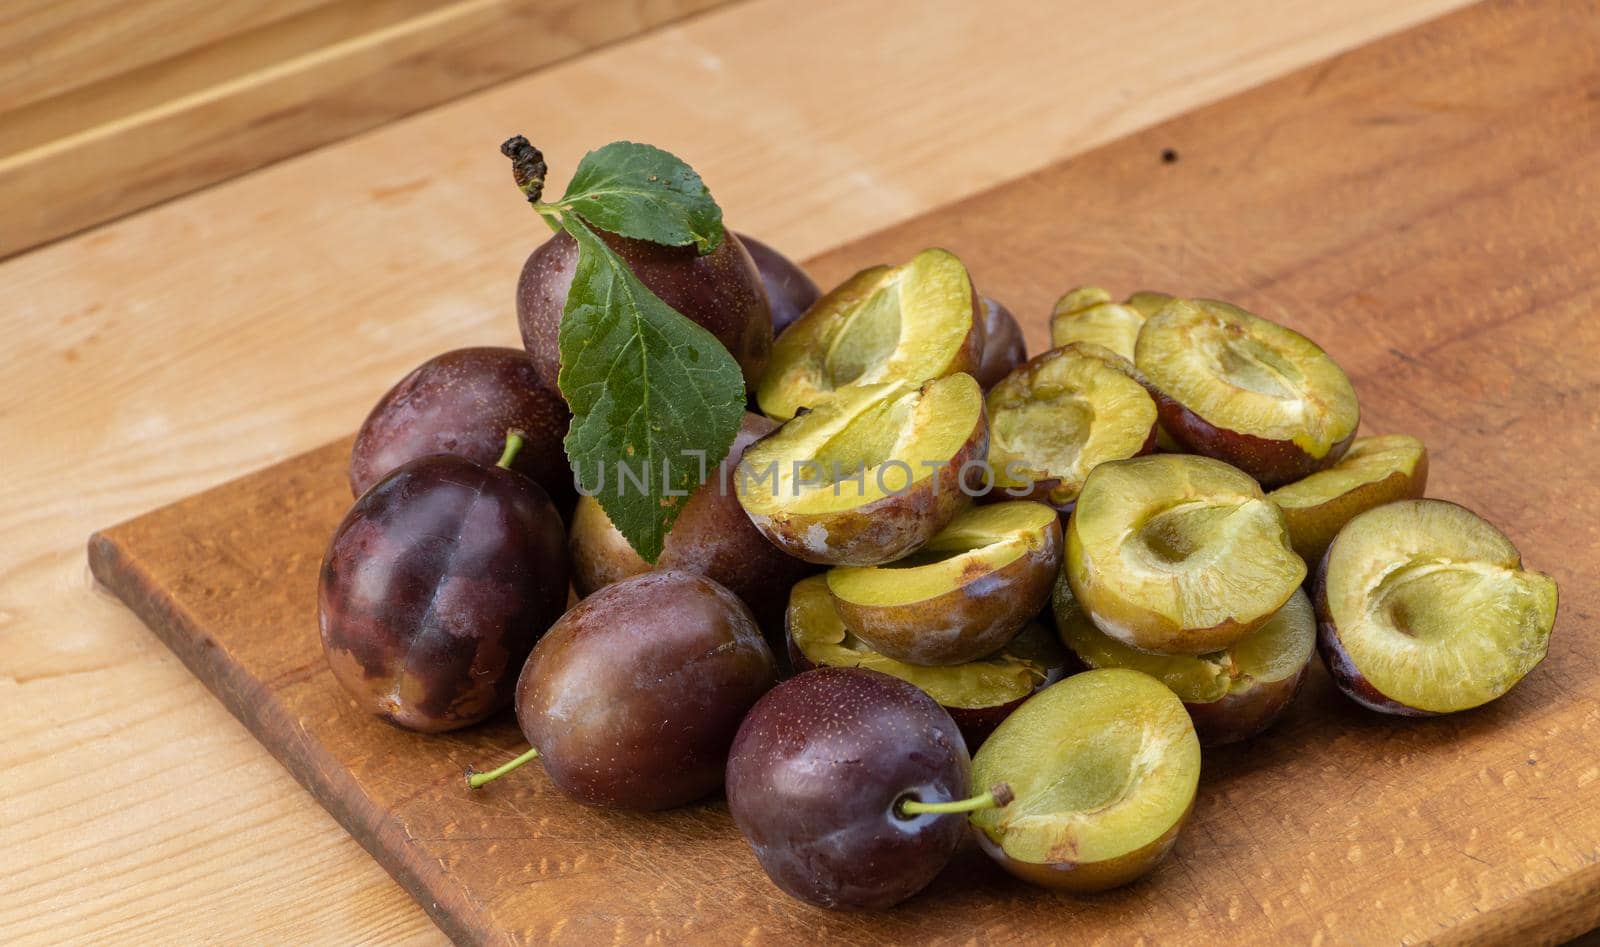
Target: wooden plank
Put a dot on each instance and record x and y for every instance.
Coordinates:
(110, 108)
(1341, 200)
(171, 350)
(48, 47)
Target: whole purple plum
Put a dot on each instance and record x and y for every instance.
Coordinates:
(435, 588)
(463, 402)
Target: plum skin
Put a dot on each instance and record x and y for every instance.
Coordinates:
(1003, 347)
(790, 290)
(815, 776)
(1272, 463)
(969, 622)
(1242, 714)
(721, 291)
(634, 696)
(711, 537)
(463, 402)
(435, 588)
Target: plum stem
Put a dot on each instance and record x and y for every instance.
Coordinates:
(475, 780)
(527, 166)
(514, 441)
(528, 170)
(997, 796)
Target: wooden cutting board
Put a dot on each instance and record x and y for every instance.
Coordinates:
(1428, 208)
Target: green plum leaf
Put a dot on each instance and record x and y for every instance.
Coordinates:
(643, 192)
(656, 400)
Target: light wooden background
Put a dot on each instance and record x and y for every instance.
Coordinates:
(177, 347)
(109, 106)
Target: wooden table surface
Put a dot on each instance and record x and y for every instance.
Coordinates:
(174, 349)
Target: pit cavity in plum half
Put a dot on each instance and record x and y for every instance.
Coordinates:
(887, 324)
(1056, 417)
(1178, 554)
(1103, 767)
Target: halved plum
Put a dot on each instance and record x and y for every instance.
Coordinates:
(1424, 608)
(1237, 387)
(1087, 314)
(1232, 694)
(1178, 554)
(870, 475)
(978, 694)
(1056, 417)
(1103, 768)
(961, 596)
(906, 324)
(1374, 471)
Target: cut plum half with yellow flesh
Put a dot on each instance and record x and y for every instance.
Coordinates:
(886, 324)
(1424, 608)
(1237, 387)
(1232, 694)
(869, 476)
(979, 694)
(961, 596)
(1178, 554)
(1103, 769)
(1374, 471)
(1088, 314)
(1059, 415)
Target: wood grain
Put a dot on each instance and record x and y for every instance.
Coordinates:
(1341, 201)
(48, 47)
(108, 108)
(173, 349)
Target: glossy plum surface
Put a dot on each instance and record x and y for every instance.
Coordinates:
(463, 402)
(790, 291)
(635, 694)
(435, 588)
(1003, 349)
(721, 291)
(816, 775)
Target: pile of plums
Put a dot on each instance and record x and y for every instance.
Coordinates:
(937, 586)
